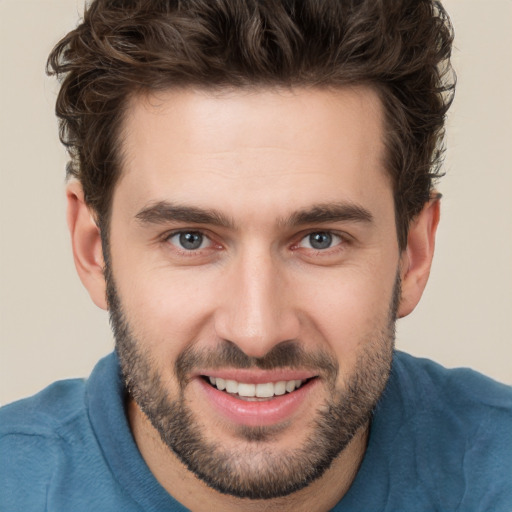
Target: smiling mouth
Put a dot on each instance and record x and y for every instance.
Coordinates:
(255, 392)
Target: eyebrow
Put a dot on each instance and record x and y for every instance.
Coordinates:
(330, 212)
(163, 212)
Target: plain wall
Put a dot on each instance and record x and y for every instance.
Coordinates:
(49, 328)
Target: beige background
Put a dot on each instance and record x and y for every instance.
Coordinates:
(49, 329)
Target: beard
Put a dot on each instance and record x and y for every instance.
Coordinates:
(259, 470)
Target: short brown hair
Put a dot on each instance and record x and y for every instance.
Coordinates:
(401, 48)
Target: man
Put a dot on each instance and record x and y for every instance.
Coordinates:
(251, 197)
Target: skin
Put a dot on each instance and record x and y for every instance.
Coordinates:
(258, 158)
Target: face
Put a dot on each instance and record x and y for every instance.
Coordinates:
(252, 278)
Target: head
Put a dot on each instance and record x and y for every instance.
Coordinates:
(400, 49)
(255, 200)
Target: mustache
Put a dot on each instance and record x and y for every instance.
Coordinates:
(288, 354)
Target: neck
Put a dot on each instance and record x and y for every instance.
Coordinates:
(321, 495)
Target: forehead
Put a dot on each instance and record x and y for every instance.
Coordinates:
(253, 148)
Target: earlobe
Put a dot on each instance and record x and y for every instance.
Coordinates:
(86, 242)
(416, 259)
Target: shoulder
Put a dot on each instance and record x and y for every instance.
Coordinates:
(45, 413)
(459, 423)
(460, 387)
(461, 401)
(35, 434)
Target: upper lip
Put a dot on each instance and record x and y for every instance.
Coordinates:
(255, 376)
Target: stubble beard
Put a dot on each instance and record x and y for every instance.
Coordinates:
(261, 470)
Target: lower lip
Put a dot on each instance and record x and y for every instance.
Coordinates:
(257, 413)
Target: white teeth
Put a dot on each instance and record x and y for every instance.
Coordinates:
(264, 390)
(290, 386)
(247, 389)
(231, 386)
(280, 388)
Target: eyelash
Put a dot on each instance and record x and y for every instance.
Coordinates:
(184, 252)
(344, 240)
(334, 235)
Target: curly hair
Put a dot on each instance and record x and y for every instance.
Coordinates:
(400, 48)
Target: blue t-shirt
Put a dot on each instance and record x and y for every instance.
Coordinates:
(440, 440)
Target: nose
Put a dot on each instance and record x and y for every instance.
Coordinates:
(256, 312)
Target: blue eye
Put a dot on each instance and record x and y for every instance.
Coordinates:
(189, 240)
(320, 240)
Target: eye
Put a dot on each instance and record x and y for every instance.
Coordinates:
(320, 240)
(189, 240)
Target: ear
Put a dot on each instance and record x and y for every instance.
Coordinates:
(86, 241)
(416, 259)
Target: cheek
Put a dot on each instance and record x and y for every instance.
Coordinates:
(167, 309)
(350, 312)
